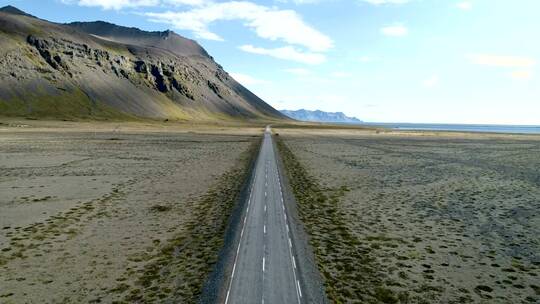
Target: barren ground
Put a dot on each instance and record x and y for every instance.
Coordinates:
(420, 217)
(94, 212)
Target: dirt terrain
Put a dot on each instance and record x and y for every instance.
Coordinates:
(93, 212)
(419, 217)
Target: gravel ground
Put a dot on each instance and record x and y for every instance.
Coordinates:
(93, 216)
(427, 217)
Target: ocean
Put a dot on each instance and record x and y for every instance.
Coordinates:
(514, 129)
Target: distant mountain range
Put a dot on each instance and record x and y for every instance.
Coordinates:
(102, 70)
(320, 116)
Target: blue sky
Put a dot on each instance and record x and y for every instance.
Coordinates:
(447, 61)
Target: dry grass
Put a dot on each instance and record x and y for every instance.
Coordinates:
(178, 270)
(426, 218)
(115, 215)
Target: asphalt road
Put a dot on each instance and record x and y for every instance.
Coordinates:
(265, 269)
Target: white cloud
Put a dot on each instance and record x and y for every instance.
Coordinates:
(113, 4)
(365, 59)
(386, 2)
(340, 74)
(268, 23)
(397, 30)
(120, 4)
(306, 1)
(522, 75)
(431, 81)
(247, 80)
(522, 65)
(298, 71)
(465, 5)
(287, 53)
(502, 61)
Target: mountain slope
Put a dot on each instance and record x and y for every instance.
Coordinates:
(166, 40)
(101, 70)
(15, 11)
(320, 116)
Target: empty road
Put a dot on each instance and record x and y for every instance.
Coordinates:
(265, 269)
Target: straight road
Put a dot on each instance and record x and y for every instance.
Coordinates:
(264, 268)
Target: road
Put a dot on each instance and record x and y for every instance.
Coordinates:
(265, 269)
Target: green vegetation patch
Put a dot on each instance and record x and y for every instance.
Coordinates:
(69, 104)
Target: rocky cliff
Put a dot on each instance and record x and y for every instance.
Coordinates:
(101, 70)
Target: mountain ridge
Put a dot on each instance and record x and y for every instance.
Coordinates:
(102, 70)
(13, 10)
(320, 116)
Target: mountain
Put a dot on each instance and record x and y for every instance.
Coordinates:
(15, 11)
(320, 116)
(101, 70)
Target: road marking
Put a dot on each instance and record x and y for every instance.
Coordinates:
(227, 298)
(271, 167)
(237, 252)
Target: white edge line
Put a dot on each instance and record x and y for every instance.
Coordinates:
(238, 248)
(227, 298)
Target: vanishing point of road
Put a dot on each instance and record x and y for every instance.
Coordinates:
(265, 269)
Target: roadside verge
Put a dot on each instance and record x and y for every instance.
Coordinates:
(213, 290)
(313, 289)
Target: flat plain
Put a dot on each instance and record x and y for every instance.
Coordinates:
(419, 217)
(99, 212)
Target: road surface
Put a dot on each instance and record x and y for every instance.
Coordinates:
(265, 269)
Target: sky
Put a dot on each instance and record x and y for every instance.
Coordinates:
(419, 61)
